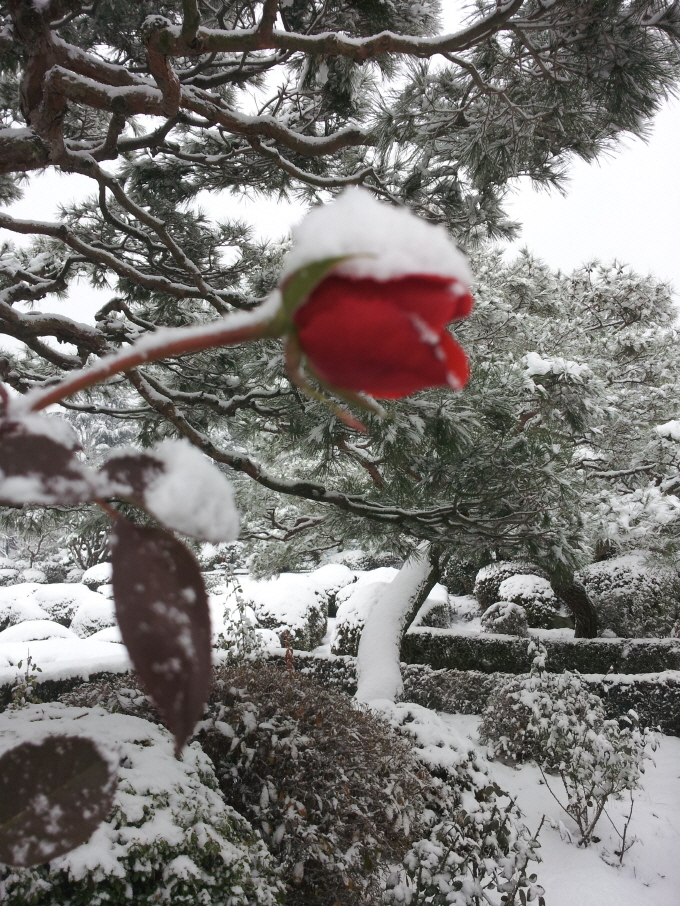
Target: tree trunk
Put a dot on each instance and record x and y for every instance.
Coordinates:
(378, 663)
(575, 596)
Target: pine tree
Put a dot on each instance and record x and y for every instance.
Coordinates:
(157, 102)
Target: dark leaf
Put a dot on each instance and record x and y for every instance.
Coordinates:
(53, 795)
(162, 610)
(38, 463)
(128, 475)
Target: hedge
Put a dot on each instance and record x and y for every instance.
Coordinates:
(654, 695)
(487, 653)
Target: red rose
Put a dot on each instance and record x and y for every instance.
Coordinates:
(386, 338)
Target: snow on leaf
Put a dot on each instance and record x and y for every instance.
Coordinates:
(162, 610)
(52, 797)
(38, 463)
(178, 485)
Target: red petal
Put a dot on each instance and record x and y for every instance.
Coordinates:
(437, 300)
(358, 339)
(457, 363)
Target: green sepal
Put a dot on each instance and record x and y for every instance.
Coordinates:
(303, 281)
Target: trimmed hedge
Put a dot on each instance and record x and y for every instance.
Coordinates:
(654, 695)
(441, 648)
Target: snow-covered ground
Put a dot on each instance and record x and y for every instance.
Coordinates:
(572, 876)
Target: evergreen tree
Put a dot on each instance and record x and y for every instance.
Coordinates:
(156, 102)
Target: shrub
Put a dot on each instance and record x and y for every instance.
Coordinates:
(489, 578)
(507, 618)
(290, 603)
(115, 694)
(475, 850)
(335, 793)
(535, 595)
(169, 838)
(633, 596)
(436, 611)
(555, 720)
(17, 605)
(96, 575)
(8, 576)
(94, 614)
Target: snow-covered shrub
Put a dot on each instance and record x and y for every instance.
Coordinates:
(33, 575)
(62, 601)
(94, 614)
(288, 603)
(170, 838)
(17, 605)
(54, 572)
(75, 574)
(36, 631)
(335, 793)
(116, 694)
(436, 611)
(475, 849)
(464, 608)
(235, 626)
(633, 596)
(507, 618)
(458, 575)
(329, 580)
(535, 595)
(554, 719)
(100, 574)
(489, 578)
(8, 576)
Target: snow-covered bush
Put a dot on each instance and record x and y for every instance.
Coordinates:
(235, 626)
(54, 572)
(436, 611)
(458, 575)
(535, 595)
(290, 602)
(329, 580)
(116, 694)
(8, 576)
(169, 838)
(36, 631)
(464, 608)
(489, 578)
(554, 719)
(475, 849)
(17, 605)
(97, 575)
(63, 601)
(33, 575)
(633, 596)
(335, 793)
(94, 614)
(507, 618)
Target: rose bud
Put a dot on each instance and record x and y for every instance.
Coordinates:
(375, 322)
